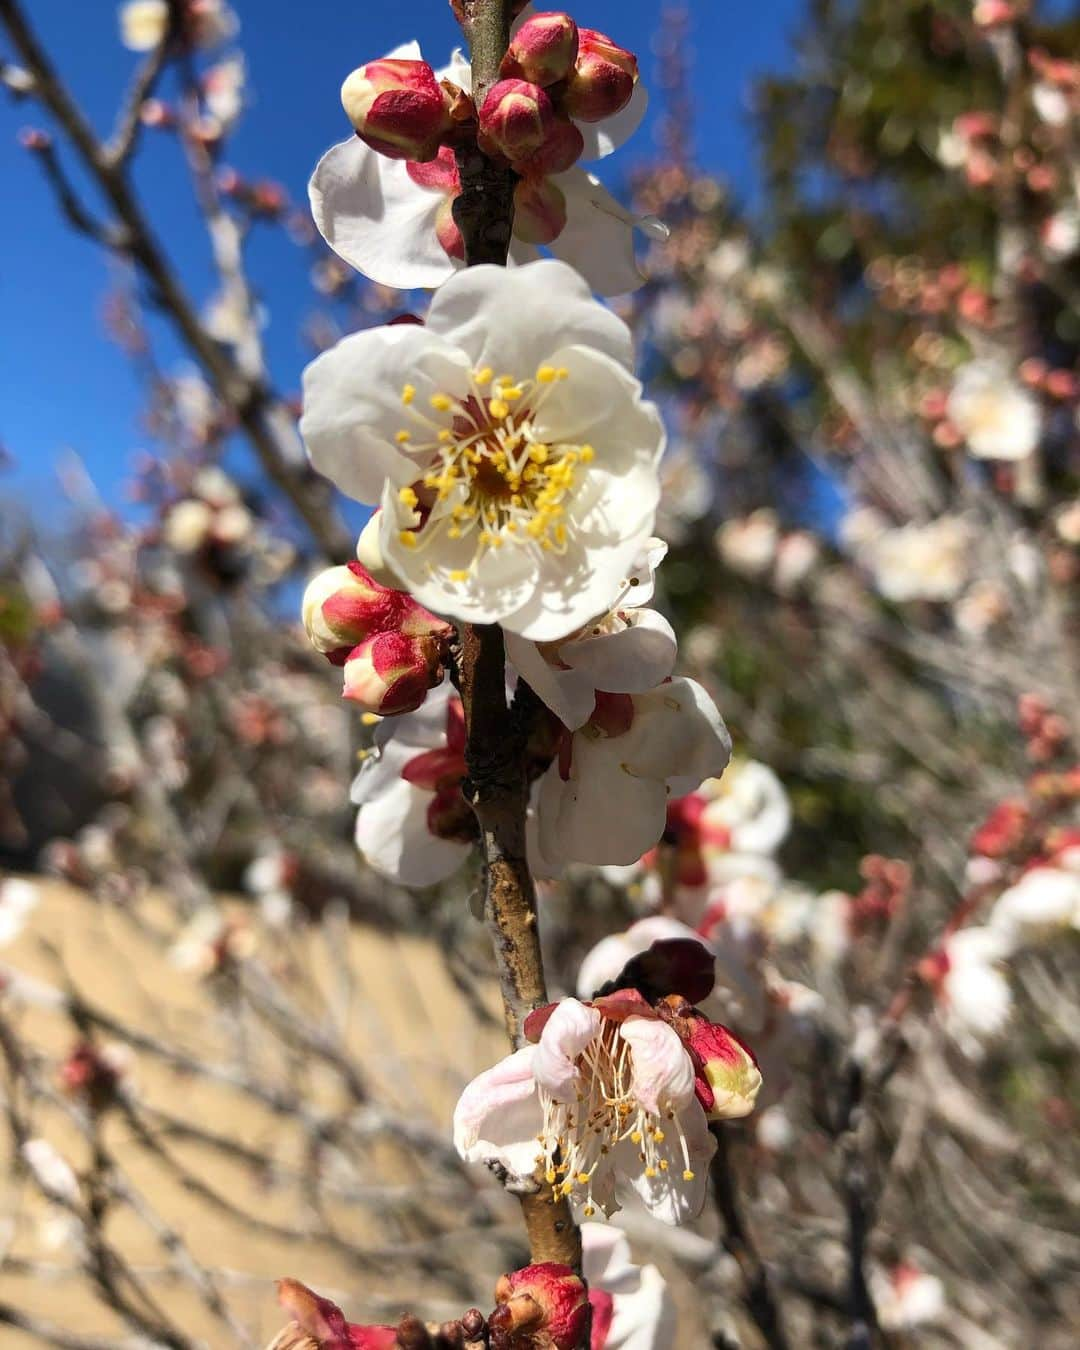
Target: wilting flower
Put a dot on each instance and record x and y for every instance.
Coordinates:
(542, 1306)
(414, 826)
(319, 1324)
(611, 1094)
(631, 1307)
(507, 441)
(997, 417)
(391, 219)
(604, 799)
(629, 650)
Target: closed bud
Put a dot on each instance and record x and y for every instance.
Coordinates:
(727, 1078)
(319, 1324)
(542, 1307)
(561, 149)
(539, 211)
(602, 80)
(398, 108)
(542, 50)
(344, 605)
(391, 673)
(515, 120)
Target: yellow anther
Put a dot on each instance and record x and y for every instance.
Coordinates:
(498, 408)
(588, 1211)
(407, 497)
(635, 1138)
(650, 1172)
(403, 436)
(408, 394)
(583, 1178)
(512, 392)
(549, 1176)
(486, 537)
(407, 538)
(442, 402)
(588, 454)
(663, 1164)
(562, 373)
(688, 1175)
(459, 574)
(659, 1136)
(482, 376)
(445, 436)
(370, 719)
(546, 374)
(453, 532)
(538, 454)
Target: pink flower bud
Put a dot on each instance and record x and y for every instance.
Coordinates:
(727, 1078)
(391, 673)
(560, 151)
(543, 1306)
(543, 50)
(398, 108)
(318, 1320)
(516, 119)
(345, 605)
(602, 80)
(448, 232)
(539, 211)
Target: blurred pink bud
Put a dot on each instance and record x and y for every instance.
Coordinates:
(602, 80)
(317, 1319)
(1062, 384)
(33, 138)
(398, 108)
(391, 673)
(542, 50)
(515, 120)
(544, 1305)
(727, 1078)
(539, 211)
(155, 113)
(991, 13)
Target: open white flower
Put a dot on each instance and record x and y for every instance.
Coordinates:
(917, 562)
(18, 900)
(507, 442)
(747, 811)
(144, 23)
(601, 1102)
(629, 650)
(997, 417)
(605, 798)
(631, 1306)
(1046, 900)
(975, 998)
(384, 216)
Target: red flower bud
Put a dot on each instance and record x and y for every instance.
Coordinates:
(543, 1307)
(560, 151)
(539, 211)
(727, 1080)
(318, 1320)
(398, 108)
(542, 50)
(344, 605)
(391, 673)
(602, 80)
(515, 120)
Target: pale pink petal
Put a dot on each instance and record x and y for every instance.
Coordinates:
(663, 1073)
(568, 1031)
(498, 1115)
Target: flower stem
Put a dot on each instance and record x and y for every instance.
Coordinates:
(497, 788)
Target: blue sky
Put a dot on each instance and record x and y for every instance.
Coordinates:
(65, 386)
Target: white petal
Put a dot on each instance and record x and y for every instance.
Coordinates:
(605, 1256)
(663, 1073)
(512, 319)
(601, 138)
(569, 694)
(644, 1318)
(498, 1115)
(353, 408)
(373, 215)
(392, 833)
(628, 662)
(667, 1196)
(677, 734)
(602, 814)
(598, 237)
(567, 1032)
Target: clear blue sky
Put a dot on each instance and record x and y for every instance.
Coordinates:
(62, 384)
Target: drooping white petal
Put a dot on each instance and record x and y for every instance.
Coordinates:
(393, 836)
(667, 1196)
(601, 138)
(514, 320)
(663, 1074)
(568, 1031)
(373, 215)
(598, 237)
(643, 1318)
(677, 734)
(631, 661)
(568, 693)
(353, 404)
(498, 1115)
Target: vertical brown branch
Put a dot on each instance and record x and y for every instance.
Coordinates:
(497, 789)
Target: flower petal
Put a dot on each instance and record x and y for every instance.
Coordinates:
(512, 319)
(667, 1196)
(598, 237)
(373, 215)
(601, 138)
(393, 836)
(662, 1075)
(568, 1031)
(568, 693)
(628, 662)
(498, 1115)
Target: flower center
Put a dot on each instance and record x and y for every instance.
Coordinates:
(578, 1136)
(490, 477)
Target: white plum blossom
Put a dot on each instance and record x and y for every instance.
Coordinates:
(18, 900)
(915, 561)
(383, 215)
(604, 799)
(1046, 900)
(631, 1306)
(975, 1001)
(413, 826)
(144, 23)
(997, 417)
(598, 1104)
(629, 650)
(507, 443)
(749, 806)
